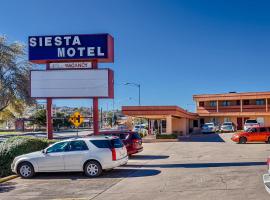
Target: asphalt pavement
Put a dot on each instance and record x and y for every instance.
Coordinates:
(203, 167)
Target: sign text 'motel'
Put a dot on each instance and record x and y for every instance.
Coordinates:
(65, 48)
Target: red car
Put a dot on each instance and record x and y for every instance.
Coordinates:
(256, 134)
(132, 140)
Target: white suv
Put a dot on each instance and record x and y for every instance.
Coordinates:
(209, 128)
(91, 155)
(250, 123)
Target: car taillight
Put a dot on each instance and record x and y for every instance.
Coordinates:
(113, 154)
(136, 140)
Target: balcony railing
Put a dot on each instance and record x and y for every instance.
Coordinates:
(229, 109)
(254, 108)
(235, 108)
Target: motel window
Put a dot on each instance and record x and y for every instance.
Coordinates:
(227, 119)
(213, 103)
(226, 103)
(246, 102)
(201, 104)
(238, 102)
(260, 102)
(214, 120)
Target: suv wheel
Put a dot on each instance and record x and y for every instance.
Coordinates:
(242, 140)
(25, 170)
(92, 169)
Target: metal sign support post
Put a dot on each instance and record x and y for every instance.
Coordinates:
(95, 106)
(49, 113)
(49, 119)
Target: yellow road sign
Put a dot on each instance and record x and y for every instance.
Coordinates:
(76, 119)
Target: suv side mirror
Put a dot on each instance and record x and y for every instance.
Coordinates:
(44, 151)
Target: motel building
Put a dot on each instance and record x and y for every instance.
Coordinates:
(218, 108)
(234, 107)
(164, 119)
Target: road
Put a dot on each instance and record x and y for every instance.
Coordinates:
(202, 167)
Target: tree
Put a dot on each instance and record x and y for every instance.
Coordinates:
(14, 75)
(12, 111)
(61, 120)
(110, 118)
(39, 118)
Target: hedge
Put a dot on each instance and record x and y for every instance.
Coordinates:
(16, 146)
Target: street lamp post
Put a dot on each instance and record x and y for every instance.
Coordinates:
(139, 87)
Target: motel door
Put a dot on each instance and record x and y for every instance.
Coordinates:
(239, 123)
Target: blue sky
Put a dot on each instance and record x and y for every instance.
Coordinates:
(173, 48)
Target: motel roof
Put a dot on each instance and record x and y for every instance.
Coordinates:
(157, 112)
(232, 96)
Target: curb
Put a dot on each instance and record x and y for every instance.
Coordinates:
(5, 179)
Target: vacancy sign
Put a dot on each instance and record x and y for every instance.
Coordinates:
(72, 83)
(76, 119)
(71, 65)
(71, 48)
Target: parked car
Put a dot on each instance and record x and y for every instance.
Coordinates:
(266, 177)
(227, 127)
(122, 127)
(209, 128)
(138, 127)
(90, 155)
(132, 140)
(260, 134)
(250, 123)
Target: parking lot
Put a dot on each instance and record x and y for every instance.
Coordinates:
(200, 167)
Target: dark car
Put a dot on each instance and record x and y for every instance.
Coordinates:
(132, 140)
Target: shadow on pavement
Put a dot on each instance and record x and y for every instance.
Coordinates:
(7, 186)
(148, 157)
(201, 165)
(121, 173)
(115, 173)
(203, 138)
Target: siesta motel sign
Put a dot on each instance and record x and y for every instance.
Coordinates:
(71, 48)
(71, 70)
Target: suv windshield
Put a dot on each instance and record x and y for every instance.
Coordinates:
(135, 136)
(252, 130)
(227, 123)
(251, 121)
(122, 136)
(114, 143)
(101, 143)
(209, 124)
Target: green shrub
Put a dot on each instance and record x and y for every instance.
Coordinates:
(171, 136)
(143, 132)
(16, 146)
